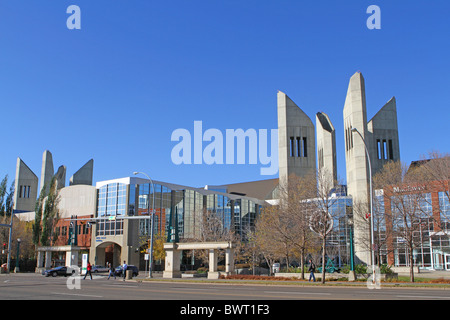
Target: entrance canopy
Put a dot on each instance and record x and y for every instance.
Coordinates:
(173, 257)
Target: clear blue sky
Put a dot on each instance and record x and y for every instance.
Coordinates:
(137, 70)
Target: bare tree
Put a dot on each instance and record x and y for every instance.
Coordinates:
(323, 214)
(296, 210)
(403, 196)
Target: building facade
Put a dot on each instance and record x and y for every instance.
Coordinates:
(122, 223)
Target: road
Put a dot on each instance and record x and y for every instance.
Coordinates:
(38, 287)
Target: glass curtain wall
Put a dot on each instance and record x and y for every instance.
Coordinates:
(112, 203)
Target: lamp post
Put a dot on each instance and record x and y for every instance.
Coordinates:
(17, 256)
(152, 221)
(371, 203)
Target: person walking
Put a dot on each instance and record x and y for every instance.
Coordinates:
(111, 272)
(88, 271)
(312, 269)
(124, 269)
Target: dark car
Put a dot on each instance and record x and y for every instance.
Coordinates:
(119, 270)
(58, 271)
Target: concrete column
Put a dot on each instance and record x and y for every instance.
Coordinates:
(172, 262)
(72, 258)
(229, 260)
(48, 259)
(213, 273)
(39, 262)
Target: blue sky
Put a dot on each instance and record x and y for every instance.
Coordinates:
(138, 70)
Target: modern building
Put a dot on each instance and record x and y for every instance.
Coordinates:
(417, 213)
(77, 205)
(122, 227)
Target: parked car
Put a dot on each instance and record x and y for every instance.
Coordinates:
(98, 269)
(119, 269)
(59, 271)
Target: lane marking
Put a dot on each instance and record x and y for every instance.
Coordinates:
(423, 297)
(296, 292)
(77, 294)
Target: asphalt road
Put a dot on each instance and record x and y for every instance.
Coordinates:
(38, 287)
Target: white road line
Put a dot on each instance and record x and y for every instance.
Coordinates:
(195, 289)
(77, 294)
(296, 292)
(422, 297)
(120, 285)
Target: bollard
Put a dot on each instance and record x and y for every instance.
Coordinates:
(129, 275)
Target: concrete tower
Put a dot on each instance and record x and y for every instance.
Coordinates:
(355, 116)
(326, 146)
(83, 175)
(382, 141)
(296, 140)
(26, 184)
(46, 170)
(383, 131)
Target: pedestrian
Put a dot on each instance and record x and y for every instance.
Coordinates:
(124, 269)
(111, 271)
(88, 270)
(312, 269)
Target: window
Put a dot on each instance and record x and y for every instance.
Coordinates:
(292, 146)
(379, 149)
(391, 150)
(305, 154)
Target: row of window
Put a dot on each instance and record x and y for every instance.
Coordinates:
(24, 191)
(189, 204)
(385, 149)
(298, 147)
(64, 230)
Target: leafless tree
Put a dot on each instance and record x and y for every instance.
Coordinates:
(403, 197)
(322, 217)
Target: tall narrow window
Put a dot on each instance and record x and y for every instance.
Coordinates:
(379, 149)
(385, 155)
(391, 151)
(305, 154)
(292, 146)
(346, 139)
(20, 192)
(299, 147)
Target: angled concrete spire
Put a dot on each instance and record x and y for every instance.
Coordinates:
(296, 140)
(47, 170)
(26, 184)
(60, 176)
(383, 128)
(326, 146)
(84, 175)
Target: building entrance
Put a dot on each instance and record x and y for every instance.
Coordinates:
(108, 252)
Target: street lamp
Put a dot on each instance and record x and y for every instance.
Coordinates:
(371, 203)
(152, 221)
(17, 256)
